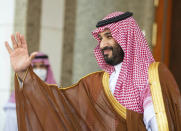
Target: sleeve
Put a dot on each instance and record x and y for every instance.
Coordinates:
(38, 106)
(149, 116)
(20, 82)
(166, 97)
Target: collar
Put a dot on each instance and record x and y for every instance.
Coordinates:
(118, 67)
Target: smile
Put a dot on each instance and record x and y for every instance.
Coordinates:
(106, 52)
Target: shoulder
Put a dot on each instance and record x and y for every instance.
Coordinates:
(93, 75)
(90, 79)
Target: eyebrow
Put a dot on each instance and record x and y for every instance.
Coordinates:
(105, 34)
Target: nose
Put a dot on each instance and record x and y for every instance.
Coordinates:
(103, 43)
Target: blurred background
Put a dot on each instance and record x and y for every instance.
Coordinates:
(62, 29)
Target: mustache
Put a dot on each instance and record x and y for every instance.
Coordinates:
(107, 48)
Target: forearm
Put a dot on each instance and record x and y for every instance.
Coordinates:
(36, 102)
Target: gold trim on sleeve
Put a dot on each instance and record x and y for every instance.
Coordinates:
(24, 77)
(157, 97)
(120, 109)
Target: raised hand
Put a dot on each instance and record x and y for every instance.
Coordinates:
(20, 59)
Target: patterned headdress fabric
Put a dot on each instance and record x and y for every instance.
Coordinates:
(133, 78)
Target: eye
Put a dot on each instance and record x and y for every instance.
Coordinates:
(43, 66)
(34, 66)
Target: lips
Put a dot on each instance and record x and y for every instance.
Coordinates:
(106, 52)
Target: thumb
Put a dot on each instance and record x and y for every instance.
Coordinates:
(32, 56)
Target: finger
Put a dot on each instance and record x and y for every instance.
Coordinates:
(32, 56)
(18, 39)
(14, 42)
(23, 41)
(8, 47)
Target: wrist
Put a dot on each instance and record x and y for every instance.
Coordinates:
(22, 74)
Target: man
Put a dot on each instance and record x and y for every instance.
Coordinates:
(113, 99)
(127, 62)
(42, 68)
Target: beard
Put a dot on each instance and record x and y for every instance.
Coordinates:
(116, 57)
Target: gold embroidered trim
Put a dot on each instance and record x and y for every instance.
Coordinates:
(24, 77)
(157, 97)
(64, 88)
(117, 106)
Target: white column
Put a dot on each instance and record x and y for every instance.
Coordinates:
(52, 33)
(6, 29)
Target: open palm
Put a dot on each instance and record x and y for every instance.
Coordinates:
(20, 59)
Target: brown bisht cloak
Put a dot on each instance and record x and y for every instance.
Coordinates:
(87, 105)
(166, 98)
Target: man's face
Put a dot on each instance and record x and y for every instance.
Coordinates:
(40, 69)
(111, 50)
